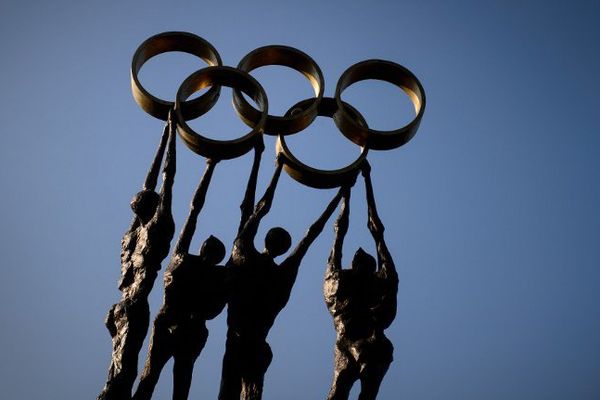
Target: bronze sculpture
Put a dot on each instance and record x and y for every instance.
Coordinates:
(194, 293)
(259, 290)
(362, 302)
(144, 247)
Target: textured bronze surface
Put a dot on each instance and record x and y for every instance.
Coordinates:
(361, 299)
(288, 57)
(143, 248)
(259, 290)
(167, 42)
(362, 302)
(220, 76)
(389, 72)
(319, 178)
(195, 292)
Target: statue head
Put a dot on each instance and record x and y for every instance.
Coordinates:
(212, 250)
(363, 262)
(277, 241)
(144, 204)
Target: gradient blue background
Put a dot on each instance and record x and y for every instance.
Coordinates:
(491, 210)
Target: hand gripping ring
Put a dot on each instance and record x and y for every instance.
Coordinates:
(167, 42)
(220, 76)
(317, 178)
(389, 72)
(288, 57)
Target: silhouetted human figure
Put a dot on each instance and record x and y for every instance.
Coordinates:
(144, 246)
(259, 290)
(362, 301)
(194, 293)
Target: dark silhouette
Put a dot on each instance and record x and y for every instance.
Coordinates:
(194, 293)
(362, 301)
(144, 246)
(259, 289)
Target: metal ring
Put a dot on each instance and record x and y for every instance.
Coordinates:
(317, 178)
(220, 76)
(167, 42)
(288, 57)
(389, 72)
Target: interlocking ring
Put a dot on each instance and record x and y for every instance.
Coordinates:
(220, 76)
(167, 42)
(389, 72)
(347, 119)
(288, 57)
(317, 178)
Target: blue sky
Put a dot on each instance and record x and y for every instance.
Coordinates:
(490, 211)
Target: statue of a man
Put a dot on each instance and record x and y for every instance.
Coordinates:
(362, 301)
(194, 293)
(259, 290)
(144, 247)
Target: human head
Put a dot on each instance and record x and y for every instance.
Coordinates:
(144, 204)
(212, 250)
(363, 262)
(277, 241)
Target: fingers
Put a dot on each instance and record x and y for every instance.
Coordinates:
(366, 168)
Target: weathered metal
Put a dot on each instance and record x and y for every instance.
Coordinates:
(361, 299)
(314, 177)
(216, 77)
(288, 57)
(163, 43)
(143, 248)
(389, 72)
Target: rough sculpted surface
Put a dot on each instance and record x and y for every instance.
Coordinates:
(253, 287)
(362, 302)
(144, 247)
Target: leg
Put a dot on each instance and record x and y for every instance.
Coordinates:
(131, 325)
(345, 374)
(231, 380)
(182, 377)
(258, 359)
(379, 358)
(159, 352)
(190, 343)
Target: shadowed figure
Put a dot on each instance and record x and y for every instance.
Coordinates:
(194, 293)
(259, 289)
(144, 246)
(362, 301)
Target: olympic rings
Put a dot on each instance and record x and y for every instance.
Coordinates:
(389, 72)
(317, 178)
(347, 119)
(221, 76)
(167, 42)
(288, 57)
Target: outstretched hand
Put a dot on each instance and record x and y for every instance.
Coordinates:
(366, 168)
(279, 158)
(346, 189)
(259, 146)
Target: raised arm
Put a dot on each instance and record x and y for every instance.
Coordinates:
(384, 258)
(152, 177)
(315, 229)
(247, 205)
(249, 230)
(166, 190)
(187, 232)
(340, 229)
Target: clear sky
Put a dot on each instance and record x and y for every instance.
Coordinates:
(489, 211)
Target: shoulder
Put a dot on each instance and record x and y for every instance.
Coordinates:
(332, 273)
